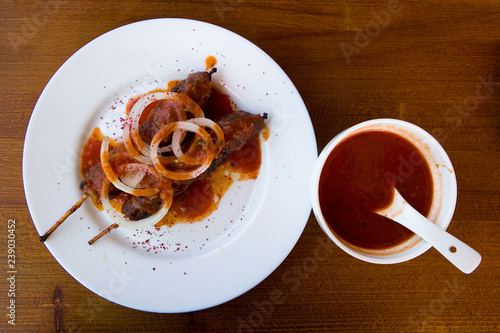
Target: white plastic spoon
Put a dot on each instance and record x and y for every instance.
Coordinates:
(457, 252)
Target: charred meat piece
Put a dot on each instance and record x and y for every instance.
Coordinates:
(92, 183)
(94, 178)
(138, 208)
(198, 86)
(238, 128)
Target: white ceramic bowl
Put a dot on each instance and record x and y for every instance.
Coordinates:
(444, 197)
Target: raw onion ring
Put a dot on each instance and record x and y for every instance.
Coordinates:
(133, 178)
(143, 168)
(165, 132)
(131, 135)
(115, 179)
(201, 139)
(178, 136)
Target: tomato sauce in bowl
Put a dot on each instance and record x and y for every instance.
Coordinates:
(357, 179)
(354, 177)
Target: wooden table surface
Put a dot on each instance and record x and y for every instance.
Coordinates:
(433, 63)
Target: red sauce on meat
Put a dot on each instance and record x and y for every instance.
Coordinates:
(202, 197)
(218, 104)
(357, 179)
(193, 202)
(248, 159)
(91, 152)
(90, 163)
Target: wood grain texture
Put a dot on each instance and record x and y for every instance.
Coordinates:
(436, 64)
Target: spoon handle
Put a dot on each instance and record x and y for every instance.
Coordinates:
(457, 252)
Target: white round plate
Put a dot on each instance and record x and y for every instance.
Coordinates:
(187, 267)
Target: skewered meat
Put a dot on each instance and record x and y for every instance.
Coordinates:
(98, 169)
(198, 86)
(238, 128)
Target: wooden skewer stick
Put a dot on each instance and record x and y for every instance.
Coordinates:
(104, 232)
(63, 218)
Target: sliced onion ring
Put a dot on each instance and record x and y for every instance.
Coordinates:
(165, 132)
(131, 135)
(130, 145)
(138, 192)
(139, 224)
(106, 166)
(200, 122)
(180, 132)
(115, 179)
(132, 178)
